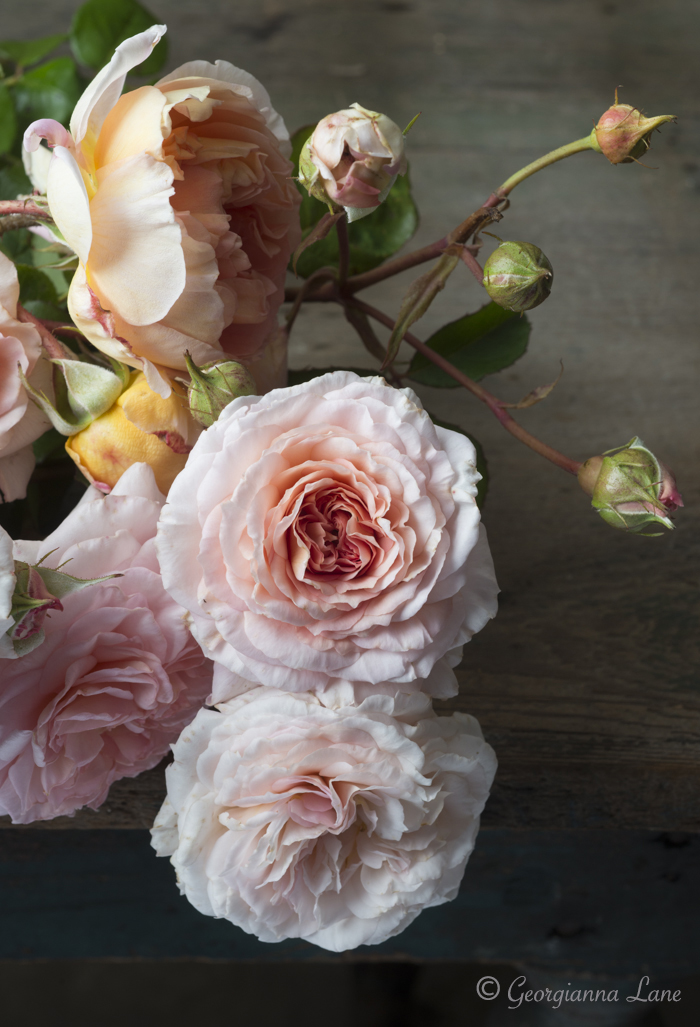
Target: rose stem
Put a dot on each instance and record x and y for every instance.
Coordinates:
(341, 228)
(542, 162)
(473, 265)
(435, 249)
(494, 405)
(54, 348)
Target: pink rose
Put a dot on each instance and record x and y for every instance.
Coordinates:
(21, 422)
(178, 200)
(339, 825)
(329, 530)
(352, 157)
(118, 675)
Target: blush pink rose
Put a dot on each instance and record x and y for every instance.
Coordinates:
(118, 675)
(21, 422)
(336, 824)
(328, 531)
(178, 200)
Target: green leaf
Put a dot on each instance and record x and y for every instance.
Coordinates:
(99, 26)
(50, 446)
(478, 344)
(38, 294)
(481, 463)
(29, 51)
(49, 91)
(8, 121)
(372, 240)
(13, 179)
(17, 246)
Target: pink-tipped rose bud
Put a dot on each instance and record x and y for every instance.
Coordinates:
(623, 133)
(351, 159)
(630, 488)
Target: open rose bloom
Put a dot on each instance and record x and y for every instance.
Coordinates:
(21, 422)
(293, 819)
(118, 675)
(179, 202)
(329, 531)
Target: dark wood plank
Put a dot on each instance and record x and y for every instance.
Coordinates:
(533, 897)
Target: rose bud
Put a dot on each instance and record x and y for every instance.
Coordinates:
(630, 488)
(518, 276)
(623, 132)
(37, 591)
(351, 159)
(214, 386)
(141, 427)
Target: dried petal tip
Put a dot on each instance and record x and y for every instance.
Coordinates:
(214, 386)
(623, 133)
(518, 276)
(630, 488)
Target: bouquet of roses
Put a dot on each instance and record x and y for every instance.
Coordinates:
(271, 576)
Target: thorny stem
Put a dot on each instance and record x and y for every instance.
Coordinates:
(494, 404)
(542, 162)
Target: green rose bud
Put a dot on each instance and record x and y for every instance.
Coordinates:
(214, 386)
(37, 591)
(518, 276)
(630, 488)
(623, 133)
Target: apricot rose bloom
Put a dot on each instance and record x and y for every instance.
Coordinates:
(118, 675)
(329, 531)
(178, 200)
(21, 422)
(338, 825)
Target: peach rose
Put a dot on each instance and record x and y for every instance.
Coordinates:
(329, 530)
(338, 825)
(178, 200)
(118, 674)
(21, 422)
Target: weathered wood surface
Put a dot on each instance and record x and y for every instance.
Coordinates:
(587, 682)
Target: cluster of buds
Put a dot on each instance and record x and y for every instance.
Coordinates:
(518, 276)
(351, 160)
(630, 488)
(623, 133)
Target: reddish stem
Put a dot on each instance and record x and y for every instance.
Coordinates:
(54, 348)
(27, 207)
(491, 401)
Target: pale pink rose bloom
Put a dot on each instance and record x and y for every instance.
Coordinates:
(21, 422)
(329, 530)
(179, 202)
(355, 155)
(335, 823)
(118, 675)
